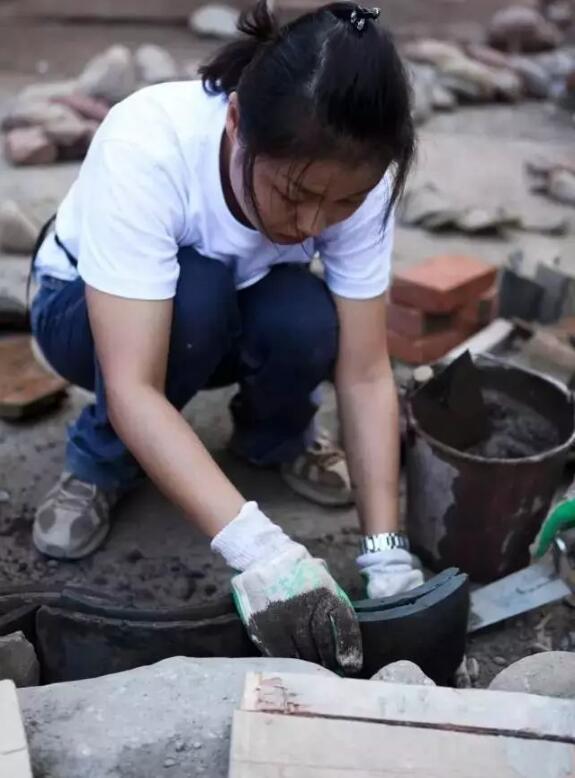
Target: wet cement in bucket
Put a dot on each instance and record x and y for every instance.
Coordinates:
(515, 429)
(493, 411)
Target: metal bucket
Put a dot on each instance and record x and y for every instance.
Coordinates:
(482, 514)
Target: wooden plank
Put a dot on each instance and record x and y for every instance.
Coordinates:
(25, 386)
(14, 759)
(464, 710)
(276, 746)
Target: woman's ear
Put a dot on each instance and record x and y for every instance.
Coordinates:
(233, 118)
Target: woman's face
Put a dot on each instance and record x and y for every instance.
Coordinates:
(296, 200)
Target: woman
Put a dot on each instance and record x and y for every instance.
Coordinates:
(180, 260)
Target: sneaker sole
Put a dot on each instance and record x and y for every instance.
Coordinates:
(321, 497)
(54, 552)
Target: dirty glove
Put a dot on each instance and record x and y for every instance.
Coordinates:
(287, 600)
(389, 572)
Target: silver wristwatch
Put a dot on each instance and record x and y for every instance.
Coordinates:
(384, 541)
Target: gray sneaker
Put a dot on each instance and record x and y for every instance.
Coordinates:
(74, 518)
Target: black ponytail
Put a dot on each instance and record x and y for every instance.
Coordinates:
(223, 72)
(320, 87)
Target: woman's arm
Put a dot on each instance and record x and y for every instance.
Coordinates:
(368, 408)
(132, 342)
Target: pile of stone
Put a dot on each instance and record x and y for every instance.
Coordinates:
(56, 121)
(522, 58)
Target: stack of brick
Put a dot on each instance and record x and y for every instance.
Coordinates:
(437, 304)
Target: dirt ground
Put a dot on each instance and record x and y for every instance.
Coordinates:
(153, 555)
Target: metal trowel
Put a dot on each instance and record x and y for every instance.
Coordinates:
(549, 578)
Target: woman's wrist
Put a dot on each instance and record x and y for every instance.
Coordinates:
(250, 537)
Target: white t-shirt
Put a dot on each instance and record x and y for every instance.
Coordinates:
(151, 183)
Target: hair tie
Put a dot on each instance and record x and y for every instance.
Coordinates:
(359, 16)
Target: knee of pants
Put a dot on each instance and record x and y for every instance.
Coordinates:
(205, 318)
(307, 345)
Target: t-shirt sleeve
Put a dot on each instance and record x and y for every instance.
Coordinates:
(131, 214)
(356, 253)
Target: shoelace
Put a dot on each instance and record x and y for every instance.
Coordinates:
(74, 494)
(326, 453)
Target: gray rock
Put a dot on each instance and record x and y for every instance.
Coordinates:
(111, 76)
(561, 186)
(155, 64)
(18, 232)
(403, 672)
(68, 130)
(29, 146)
(32, 113)
(520, 28)
(442, 99)
(18, 661)
(536, 81)
(551, 674)
(175, 714)
(215, 20)
(44, 92)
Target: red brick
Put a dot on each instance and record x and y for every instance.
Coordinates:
(480, 312)
(442, 283)
(421, 351)
(415, 323)
(29, 146)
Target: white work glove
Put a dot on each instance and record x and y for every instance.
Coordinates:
(287, 600)
(389, 572)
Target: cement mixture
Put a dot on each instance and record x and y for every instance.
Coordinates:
(516, 429)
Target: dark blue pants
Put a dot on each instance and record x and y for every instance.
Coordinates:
(277, 339)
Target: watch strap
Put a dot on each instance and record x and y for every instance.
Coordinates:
(384, 541)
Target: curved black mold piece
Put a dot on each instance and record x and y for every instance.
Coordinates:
(73, 645)
(407, 598)
(430, 631)
(82, 633)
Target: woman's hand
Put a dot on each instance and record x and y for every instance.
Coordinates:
(287, 600)
(389, 572)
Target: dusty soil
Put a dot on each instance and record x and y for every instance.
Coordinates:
(153, 556)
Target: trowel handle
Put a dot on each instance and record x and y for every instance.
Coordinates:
(560, 518)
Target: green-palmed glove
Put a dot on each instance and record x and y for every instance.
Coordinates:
(290, 604)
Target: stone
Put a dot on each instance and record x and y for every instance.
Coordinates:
(130, 723)
(46, 92)
(18, 660)
(35, 113)
(473, 80)
(561, 186)
(519, 28)
(550, 673)
(111, 76)
(29, 146)
(442, 99)
(427, 207)
(69, 130)
(403, 672)
(429, 51)
(487, 55)
(155, 64)
(18, 232)
(84, 106)
(422, 81)
(536, 81)
(215, 21)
